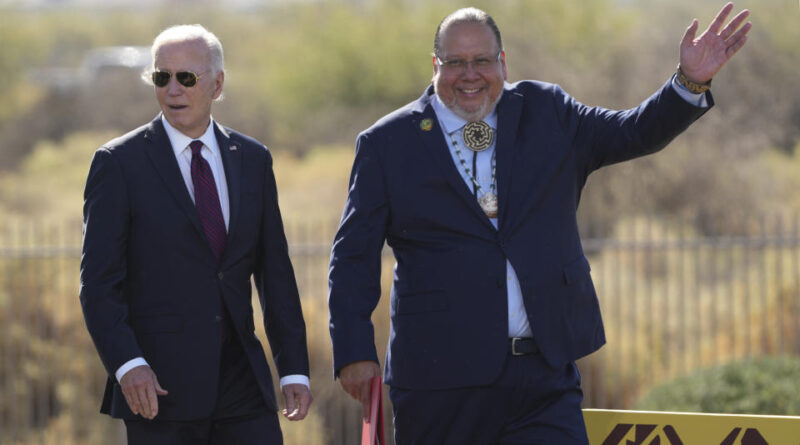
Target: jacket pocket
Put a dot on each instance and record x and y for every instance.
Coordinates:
(577, 271)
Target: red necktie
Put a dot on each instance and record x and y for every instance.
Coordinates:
(207, 201)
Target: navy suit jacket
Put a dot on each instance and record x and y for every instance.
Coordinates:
(449, 299)
(151, 286)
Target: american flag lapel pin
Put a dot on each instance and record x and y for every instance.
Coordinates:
(233, 147)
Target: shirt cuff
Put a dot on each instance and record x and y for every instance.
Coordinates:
(130, 364)
(295, 378)
(696, 99)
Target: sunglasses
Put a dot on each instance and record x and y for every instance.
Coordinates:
(185, 78)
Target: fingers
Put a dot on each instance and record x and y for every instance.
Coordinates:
(720, 18)
(733, 49)
(361, 392)
(291, 408)
(366, 401)
(152, 402)
(356, 379)
(688, 36)
(737, 40)
(734, 24)
(132, 398)
(298, 401)
(140, 388)
(159, 390)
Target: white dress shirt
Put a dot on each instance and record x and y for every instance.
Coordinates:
(451, 124)
(210, 152)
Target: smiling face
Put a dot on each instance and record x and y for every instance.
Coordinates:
(188, 109)
(470, 93)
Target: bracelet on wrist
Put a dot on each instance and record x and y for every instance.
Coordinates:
(694, 87)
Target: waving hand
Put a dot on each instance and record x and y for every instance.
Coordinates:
(702, 57)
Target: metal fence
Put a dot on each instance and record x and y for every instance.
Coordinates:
(673, 299)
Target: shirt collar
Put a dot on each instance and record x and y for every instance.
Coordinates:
(180, 141)
(453, 122)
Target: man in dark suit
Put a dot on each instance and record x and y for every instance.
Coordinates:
(179, 214)
(475, 187)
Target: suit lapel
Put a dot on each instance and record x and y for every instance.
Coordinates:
(508, 115)
(159, 150)
(232, 162)
(426, 125)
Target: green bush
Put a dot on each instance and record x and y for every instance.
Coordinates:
(754, 386)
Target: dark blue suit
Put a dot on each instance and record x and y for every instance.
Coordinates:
(448, 300)
(151, 286)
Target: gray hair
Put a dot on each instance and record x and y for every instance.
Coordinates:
(465, 15)
(187, 33)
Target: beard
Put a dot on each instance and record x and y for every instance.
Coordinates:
(470, 116)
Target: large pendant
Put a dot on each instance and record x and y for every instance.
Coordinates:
(477, 135)
(488, 203)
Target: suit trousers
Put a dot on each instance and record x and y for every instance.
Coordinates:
(530, 403)
(240, 418)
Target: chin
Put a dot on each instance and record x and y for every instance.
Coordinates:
(470, 115)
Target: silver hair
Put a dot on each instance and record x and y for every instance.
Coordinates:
(465, 15)
(187, 33)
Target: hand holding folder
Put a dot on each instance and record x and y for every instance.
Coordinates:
(373, 432)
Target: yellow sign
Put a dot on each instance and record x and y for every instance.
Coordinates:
(607, 427)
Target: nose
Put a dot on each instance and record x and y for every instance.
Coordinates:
(173, 87)
(470, 69)
(471, 65)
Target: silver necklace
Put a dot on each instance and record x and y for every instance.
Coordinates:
(487, 201)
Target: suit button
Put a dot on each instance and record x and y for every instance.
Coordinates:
(218, 319)
(501, 241)
(220, 275)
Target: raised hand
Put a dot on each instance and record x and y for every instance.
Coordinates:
(702, 57)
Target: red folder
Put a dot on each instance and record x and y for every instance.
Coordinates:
(373, 433)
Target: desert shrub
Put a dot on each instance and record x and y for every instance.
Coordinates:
(753, 386)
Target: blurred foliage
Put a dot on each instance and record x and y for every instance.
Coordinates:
(314, 186)
(784, 167)
(49, 182)
(761, 386)
(48, 185)
(47, 362)
(301, 75)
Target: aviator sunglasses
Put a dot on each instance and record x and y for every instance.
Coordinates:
(185, 78)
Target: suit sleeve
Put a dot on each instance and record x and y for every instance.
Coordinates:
(277, 288)
(103, 263)
(355, 267)
(604, 137)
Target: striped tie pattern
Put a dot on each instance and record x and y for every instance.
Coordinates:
(206, 200)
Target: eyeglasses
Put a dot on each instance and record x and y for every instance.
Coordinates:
(185, 78)
(481, 64)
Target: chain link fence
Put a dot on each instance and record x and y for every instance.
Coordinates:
(674, 300)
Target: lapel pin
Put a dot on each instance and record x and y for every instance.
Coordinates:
(233, 148)
(426, 124)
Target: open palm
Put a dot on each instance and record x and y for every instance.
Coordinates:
(702, 57)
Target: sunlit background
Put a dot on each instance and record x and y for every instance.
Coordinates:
(695, 250)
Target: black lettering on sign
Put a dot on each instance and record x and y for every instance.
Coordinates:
(751, 436)
(641, 434)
